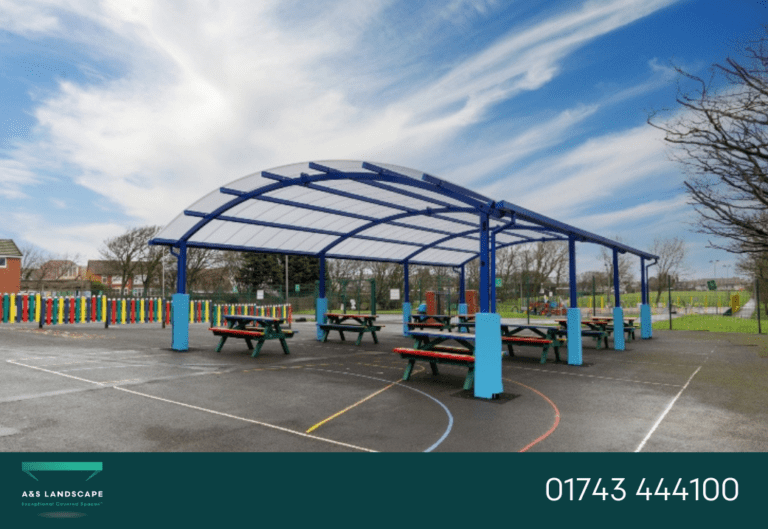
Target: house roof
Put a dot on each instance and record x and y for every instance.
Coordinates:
(360, 210)
(9, 249)
(102, 267)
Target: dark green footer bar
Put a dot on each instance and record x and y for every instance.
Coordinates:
(382, 490)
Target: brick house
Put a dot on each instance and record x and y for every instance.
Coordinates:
(10, 267)
(108, 274)
(57, 277)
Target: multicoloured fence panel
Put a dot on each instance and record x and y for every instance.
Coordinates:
(18, 308)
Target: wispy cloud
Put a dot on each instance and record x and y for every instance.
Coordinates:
(606, 168)
(74, 239)
(202, 94)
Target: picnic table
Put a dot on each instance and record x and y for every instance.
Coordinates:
(363, 323)
(429, 321)
(464, 318)
(428, 346)
(546, 336)
(598, 329)
(629, 324)
(261, 329)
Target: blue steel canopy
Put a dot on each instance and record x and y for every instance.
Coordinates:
(358, 210)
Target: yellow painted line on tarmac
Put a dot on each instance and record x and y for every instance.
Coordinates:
(318, 425)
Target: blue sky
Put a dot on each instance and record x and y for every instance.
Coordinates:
(119, 114)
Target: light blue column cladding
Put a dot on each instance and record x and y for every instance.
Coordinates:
(180, 322)
(406, 317)
(574, 336)
(321, 308)
(646, 327)
(618, 329)
(488, 355)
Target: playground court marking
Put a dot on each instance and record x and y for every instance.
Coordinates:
(214, 412)
(554, 424)
(664, 414)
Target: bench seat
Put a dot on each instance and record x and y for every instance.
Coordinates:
(261, 335)
(424, 325)
(438, 357)
(239, 333)
(534, 341)
(598, 335)
(342, 328)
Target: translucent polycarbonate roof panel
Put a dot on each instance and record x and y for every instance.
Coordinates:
(359, 210)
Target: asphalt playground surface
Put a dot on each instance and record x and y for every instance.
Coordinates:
(83, 388)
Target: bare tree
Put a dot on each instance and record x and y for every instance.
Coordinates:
(198, 261)
(626, 266)
(721, 139)
(32, 260)
(127, 251)
(151, 263)
(671, 254)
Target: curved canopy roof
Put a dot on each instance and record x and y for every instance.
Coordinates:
(359, 210)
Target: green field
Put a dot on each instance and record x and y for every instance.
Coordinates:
(696, 322)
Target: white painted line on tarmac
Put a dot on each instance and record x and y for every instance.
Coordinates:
(445, 408)
(669, 407)
(594, 376)
(55, 372)
(266, 425)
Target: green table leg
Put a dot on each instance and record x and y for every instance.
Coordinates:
(256, 351)
(469, 381)
(409, 369)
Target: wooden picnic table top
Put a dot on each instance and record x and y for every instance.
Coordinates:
(260, 319)
(428, 316)
(446, 335)
(345, 316)
(588, 323)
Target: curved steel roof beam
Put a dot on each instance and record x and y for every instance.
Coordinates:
(385, 220)
(242, 196)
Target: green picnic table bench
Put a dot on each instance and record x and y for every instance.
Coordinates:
(364, 323)
(267, 329)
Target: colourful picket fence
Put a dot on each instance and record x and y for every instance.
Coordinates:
(18, 308)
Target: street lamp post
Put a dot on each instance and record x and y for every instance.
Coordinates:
(727, 288)
(715, 263)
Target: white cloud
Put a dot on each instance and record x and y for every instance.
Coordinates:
(607, 168)
(205, 94)
(81, 240)
(15, 176)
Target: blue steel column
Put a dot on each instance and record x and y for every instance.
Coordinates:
(492, 278)
(321, 304)
(180, 304)
(618, 311)
(645, 308)
(406, 299)
(484, 236)
(462, 292)
(488, 382)
(574, 314)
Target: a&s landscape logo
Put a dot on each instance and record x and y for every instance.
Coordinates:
(65, 493)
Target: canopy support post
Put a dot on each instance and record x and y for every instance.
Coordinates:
(574, 314)
(462, 291)
(321, 304)
(645, 307)
(618, 312)
(180, 303)
(406, 299)
(488, 383)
